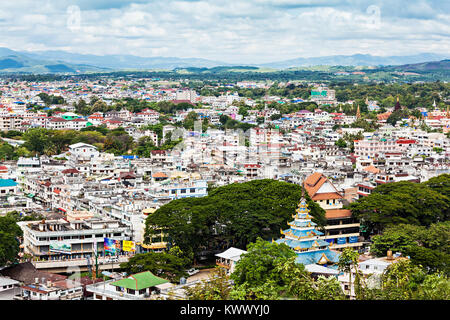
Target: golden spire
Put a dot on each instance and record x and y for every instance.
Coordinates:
(358, 113)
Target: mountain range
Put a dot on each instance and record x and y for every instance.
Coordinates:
(65, 62)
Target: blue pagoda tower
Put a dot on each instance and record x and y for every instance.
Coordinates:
(304, 239)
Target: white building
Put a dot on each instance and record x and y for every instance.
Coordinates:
(229, 258)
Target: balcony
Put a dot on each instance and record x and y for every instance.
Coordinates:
(223, 263)
(342, 226)
(104, 263)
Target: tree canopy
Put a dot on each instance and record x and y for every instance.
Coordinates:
(428, 247)
(163, 264)
(9, 244)
(404, 202)
(232, 215)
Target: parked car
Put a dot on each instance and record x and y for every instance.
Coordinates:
(192, 271)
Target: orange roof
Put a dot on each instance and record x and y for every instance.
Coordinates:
(372, 169)
(326, 196)
(337, 213)
(159, 175)
(313, 183)
(383, 116)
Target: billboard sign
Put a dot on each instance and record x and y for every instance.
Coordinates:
(128, 246)
(111, 247)
(352, 239)
(59, 247)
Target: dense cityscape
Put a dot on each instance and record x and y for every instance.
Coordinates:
(170, 182)
(213, 159)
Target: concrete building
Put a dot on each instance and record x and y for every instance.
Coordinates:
(57, 245)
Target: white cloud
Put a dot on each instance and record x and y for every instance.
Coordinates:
(232, 31)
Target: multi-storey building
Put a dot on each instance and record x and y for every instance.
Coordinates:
(59, 244)
(342, 229)
(374, 148)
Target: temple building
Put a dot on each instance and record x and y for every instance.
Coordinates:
(342, 229)
(304, 239)
(397, 105)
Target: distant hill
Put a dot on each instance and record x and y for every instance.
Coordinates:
(443, 65)
(355, 60)
(65, 62)
(216, 70)
(121, 62)
(18, 63)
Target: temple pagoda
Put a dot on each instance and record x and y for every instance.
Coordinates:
(303, 238)
(397, 105)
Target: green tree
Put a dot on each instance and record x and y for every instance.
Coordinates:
(258, 265)
(341, 143)
(440, 184)
(434, 287)
(401, 202)
(232, 215)
(37, 140)
(162, 264)
(401, 280)
(9, 244)
(217, 287)
(348, 262)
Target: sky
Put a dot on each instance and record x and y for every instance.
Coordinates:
(232, 31)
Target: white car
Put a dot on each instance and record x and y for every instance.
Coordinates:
(192, 271)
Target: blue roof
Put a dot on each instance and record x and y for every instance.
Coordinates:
(298, 223)
(310, 257)
(7, 183)
(302, 244)
(304, 233)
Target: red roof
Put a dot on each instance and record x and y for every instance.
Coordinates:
(158, 152)
(72, 170)
(406, 141)
(57, 120)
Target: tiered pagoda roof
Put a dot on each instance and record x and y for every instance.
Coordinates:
(303, 238)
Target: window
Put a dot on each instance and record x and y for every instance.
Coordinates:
(183, 190)
(192, 190)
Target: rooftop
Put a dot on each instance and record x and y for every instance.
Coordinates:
(140, 281)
